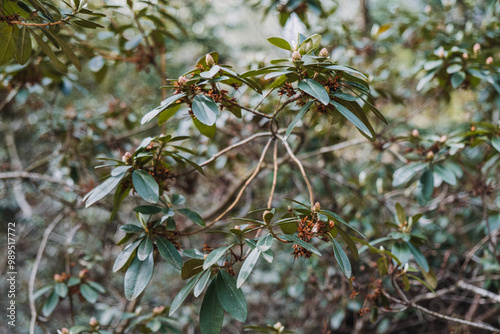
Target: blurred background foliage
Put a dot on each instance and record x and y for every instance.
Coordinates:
(434, 71)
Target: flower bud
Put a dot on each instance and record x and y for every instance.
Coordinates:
(405, 268)
(237, 228)
(428, 9)
(158, 310)
(324, 53)
(64, 330)
(205, 256)
(209, 60)
(83, 273)
(331, 223)
(415, 133)
(317, 206)
(58, 278)
(489, 60)
(465, 56)
(476, 48)
(182, 81)
(443, 139)
(430, 155)
(93, 322)
(382, 248)
(126, 157)
(440, 53)
(296, 56)
(278, 326)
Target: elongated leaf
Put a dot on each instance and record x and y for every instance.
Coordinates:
(401, 251)
(96, 286)
(145, 248)
(49, 53)
(205, 109)
(211, 312)
(23, 51)
(193, 216)
(138, 276)
(67, 50)
(182, 295)
(346, 69)
(51, 304)
(102, 190)
(146, 185)
(147, 209)
(315, 89)
(163, 106)
(297, 118)
(277, 74)
(169, 252)
(495, 142)
(265, 243)
(457, 79)
(202, 283)
(61, 289)
(231, 298)
(214, 256)
(301, 243)
(247, 267)
(191, 268)
(342, 259)
(7, 42)
(352, 118)
(206, 130)
(350, 243)
(446, 174)
(310, 44)
(210, 73)
(280, 42)
(419, 257)
(88, 293)
(401, 213)
(427, 183)
(405, 173)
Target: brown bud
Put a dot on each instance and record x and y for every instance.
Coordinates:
(58, 278)
(317, 206)
(476, 48)
(93, 322)
(209, 60)
(182, 80)
(331, 223)
(83, 273)
(296, 56)
(324, 53)
(126, 157)
(465, 56)
(158, 310)
(237, 228)
(489, 60)
(415, 133)
(430, 155)
(64, 330)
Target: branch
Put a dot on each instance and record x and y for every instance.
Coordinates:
(478, 291)
(39, 255)
(332, 148)
(32, 176)
(22, 23)
(275, 175)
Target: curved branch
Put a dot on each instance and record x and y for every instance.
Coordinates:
(22, 23)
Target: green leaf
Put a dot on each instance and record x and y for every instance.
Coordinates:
(211, 312)
(133, 42)
(210, 73)
(102, 190)
(445, 174)
(301, 243)
(88, 293)
(40, 292)
(191, 267)
(247, 267)
(131, 228)
(182, 295)
(231, 298)
(193, 216)
(206, 130)
(280, 42)
(352, 118)
(96, 286)
(406, 173)
(309, 44)
(49, 53)
(297, 118)
(138, 276)
(346, 69)
(495, 142)
(146, 185)
(50, 304)
(147, 209)
(23, 50)
(427, 183)
(169, 252)
(145, 248)
(7, 42)
(401, 251)
(74, 281)
(124, 256)
(61, 289)
(401, 213)
(453, 68)
(350, 243)
(205, 109)
(342, 259)
(214, 256)
(315, 89)
(163, 106)
(457, 79)
(419, 257)
(202, 283)
(67, 50)
(265, 243)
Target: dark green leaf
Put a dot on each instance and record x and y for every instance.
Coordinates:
(124, 256)
(163, 106)
(147, 209)
(206, 130)
(96, 286)
(145, 248)
(350, 243)
(61, 289)
(49, 53)
(315, 89)
(247, 267)
(297, 118)
(231, 298)
(446, 174)
(211, 312)
(205, 109)
(346, 69)
(193, 216)
(202, 283)
(214, 256)
(309, 44)
(182, 295)
(102, 190)
(401, 213)
(169, 252)
(301, 243)
(342, 258)
(427, 183)
(405, 173)
(88, 293)
(146, 185)
(131, 228)
(495, 142)
(138, 276)
(23, 51)
(50, 304)
(280, 42)
(457, 79)
(353, 118)
(419, 257)
(7, 42)
(67, 50)
(191, 268)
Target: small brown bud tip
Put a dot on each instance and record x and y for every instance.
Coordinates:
(93, 322)
(126, 157)
(331, 223)
(473, 128)
(443, 139)
(290, 208)
(317, 206)
(465, 56)
(415, 133)
(430, 155)
(428, 9)
(158, 310)
(83, 273)
(64, 330)
(489, 60)
(324, 53)
(182, 80)
(58, 278)
(209, 60)
(237, 228)
(296, 56)
(476, 48)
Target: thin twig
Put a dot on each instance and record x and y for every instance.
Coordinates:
(38, 258)
(275, 175)
(32, 176)
(332, 148)
(299, 164)
(42, 24)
